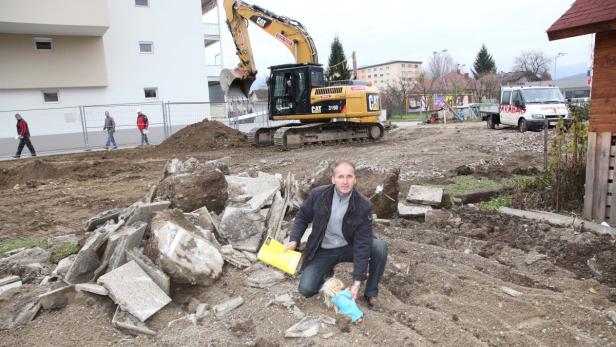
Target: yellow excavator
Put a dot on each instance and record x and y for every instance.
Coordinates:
(337, 111)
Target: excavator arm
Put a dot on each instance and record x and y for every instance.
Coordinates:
(286, 30)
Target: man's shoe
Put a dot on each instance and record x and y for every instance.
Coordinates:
(15, 157)
(373, 303)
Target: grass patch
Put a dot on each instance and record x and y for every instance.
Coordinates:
(496, 203)
(463, 185)
(9, 245)
(61, 251)
(410, 117)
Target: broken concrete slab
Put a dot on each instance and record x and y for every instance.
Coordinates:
(189, 191)
(511, 292)
(129, 323)
(144, 211)
(126, 238)
(306, 327)
(156, 274)
(149, 197)
(221, 164)
(11, 285)
(264, 278)
(91, 288)
(425, 195)
(254, 185)
(285, 300)
(18, 307)
(612, 316)
(8, 280)
(533, 257)
(262, 199)
(437, 217)
(86, 261)
(131, 288)
(227, 306)
(412, 211)
(64, 265)
(25, 257)
(57, 298)
(242, 227)
(560, 220)
(62, 239)
(275, 216)
(206, 221)
(234, 257)
(102, 218)
(181, 252)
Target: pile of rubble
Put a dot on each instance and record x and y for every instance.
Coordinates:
(182, 232)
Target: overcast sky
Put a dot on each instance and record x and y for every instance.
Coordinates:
(385, 30)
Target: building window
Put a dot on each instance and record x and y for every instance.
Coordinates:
(43, 43)
(146, 47)
(142, 3)
(369, 76)
(150, 93)
(50, 96)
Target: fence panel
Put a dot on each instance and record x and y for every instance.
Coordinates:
(45, 126)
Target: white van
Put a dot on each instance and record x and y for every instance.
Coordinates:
(526, 108)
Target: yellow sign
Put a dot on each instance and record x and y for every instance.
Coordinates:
(272, 253)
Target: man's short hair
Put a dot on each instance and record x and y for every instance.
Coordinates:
(338, 163)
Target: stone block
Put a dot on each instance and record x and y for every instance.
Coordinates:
(8, 280)
(87, 260)
(410, 211)
(262, 199)
(25, 257)
(438, 217)
(11, 285)
(242, 227)
(144, 211)
(425, 195)
(56, 299)
(156, 274)
(131, 288)
(181, 252)
(91, 288)
(129, 238)
(102, 218)
(227, 306)
(254, 185)
(264, 278)
(189, 191)
(129, 323)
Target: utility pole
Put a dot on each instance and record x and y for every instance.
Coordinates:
(354, 65)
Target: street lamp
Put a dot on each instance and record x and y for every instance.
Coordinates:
(560, 54)
(458, 66)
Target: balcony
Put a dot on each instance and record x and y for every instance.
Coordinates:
(211, 33)
(59, 17)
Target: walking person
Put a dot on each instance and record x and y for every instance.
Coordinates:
(23, 132)
(341, 232)
(110, 129)
(143, 125)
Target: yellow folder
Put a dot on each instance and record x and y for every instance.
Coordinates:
(272, 253)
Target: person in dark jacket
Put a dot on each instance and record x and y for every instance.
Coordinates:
(109, 128)
(341, 220)
(23, 132)
(143, 125)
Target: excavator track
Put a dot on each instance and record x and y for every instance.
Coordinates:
(291, 137)
(262, 137)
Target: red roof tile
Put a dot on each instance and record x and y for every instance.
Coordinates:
(584, 13)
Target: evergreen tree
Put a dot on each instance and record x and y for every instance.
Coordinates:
(484, 63)
(338, 69)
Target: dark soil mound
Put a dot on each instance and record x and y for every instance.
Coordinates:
(202, 136)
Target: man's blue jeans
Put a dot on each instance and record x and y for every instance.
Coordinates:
(110, 139)
(320, 267)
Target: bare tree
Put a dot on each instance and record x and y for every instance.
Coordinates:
(535, 62)
(393, 98)
(440, 64)
(488, 87)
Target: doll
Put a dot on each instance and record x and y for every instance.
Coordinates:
(334, 294)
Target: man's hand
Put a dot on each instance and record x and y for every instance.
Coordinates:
(291, 245)
(355, 289)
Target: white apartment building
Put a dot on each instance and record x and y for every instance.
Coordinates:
(390, 72)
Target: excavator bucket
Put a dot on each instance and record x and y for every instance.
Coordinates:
(235, 84)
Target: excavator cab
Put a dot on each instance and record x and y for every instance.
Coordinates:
(290, 86)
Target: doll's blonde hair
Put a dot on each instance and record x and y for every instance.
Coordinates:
(327, 290)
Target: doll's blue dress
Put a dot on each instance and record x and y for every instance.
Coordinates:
(346, 305)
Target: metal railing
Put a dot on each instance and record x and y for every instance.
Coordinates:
(77, 128)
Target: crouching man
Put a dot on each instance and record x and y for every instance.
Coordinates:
(341, 232)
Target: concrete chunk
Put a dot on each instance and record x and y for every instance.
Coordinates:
(103, 217)
(425, 195)
(131, 288)
(156, 274)
(264, 278)
(409, 210)
(8, 280)
(11, 285)
(511, 292)
(144, 212)
(86, 261)
(91, 288)
(127, 238)
(227, 306)
(126, 321)
(56, 299)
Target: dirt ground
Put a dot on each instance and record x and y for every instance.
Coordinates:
(442, 284)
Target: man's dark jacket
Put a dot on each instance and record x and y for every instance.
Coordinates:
(356, 226)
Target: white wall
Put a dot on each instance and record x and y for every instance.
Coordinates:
(177, 67)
